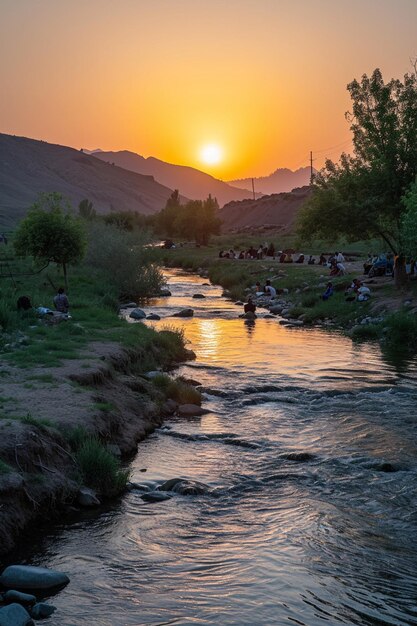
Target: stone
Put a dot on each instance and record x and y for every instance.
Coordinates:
(87, 497)
(31, 577)
(184, 313)
(152, 374)
(153, 316)
(170, 406)
(248, 316)
(268, 316)
(14, 615)
(42, 610)
(155, 496)
(276, 309)
(183, 487)
(239, 303)
(18, 596)
(190, 410)
(190, 355)
(137, 314)
(199, 296)
(128, 305)
(164, 293)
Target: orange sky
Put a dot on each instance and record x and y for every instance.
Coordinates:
(263, 79)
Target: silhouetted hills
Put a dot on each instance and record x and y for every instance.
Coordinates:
(190, 182)
(282, 180)
(28, 166)
(278, 210)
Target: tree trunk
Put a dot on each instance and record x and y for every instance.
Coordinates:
(400, 273)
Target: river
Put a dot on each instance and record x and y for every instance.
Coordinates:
(309, 455)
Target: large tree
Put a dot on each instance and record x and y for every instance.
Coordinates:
(361, 196)
(50, 233)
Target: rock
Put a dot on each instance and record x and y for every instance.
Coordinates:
(42, 610)
(268, 316)
(184, 487)
(18, 596)
(170, 406)
(190, 355)
(190, 410)
(155, 496)
(276, 309)
(114, 449)
(184, 313)
(239, 303)
(164, 293)
(152, 374)
(31, 577)
(307, 288)
(248, 316)
(87, 497)
(295, 323)
(285, 312)
(199, 296)
(128, 305)
(153, 316)
(137, 314)
(14, 615)
(205, 285)
(284, 322)
(11, 482)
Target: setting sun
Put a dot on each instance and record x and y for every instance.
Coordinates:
(211, 154)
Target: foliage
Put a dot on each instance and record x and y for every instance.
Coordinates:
(360, 197)
(408, 230)
(99, 469)
(197, 220)
(123, 259)
(401, 331)
(50, 234)
(86, 210)
(365, 332)
(177, 389)
(128, 220)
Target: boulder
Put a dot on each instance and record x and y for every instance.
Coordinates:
(42, 610)
(276, 309)
(18, 596)
(164, 293)
(199, 296)
(184, 487)
(128, 305)
(152, 374)
(184, 313)
(87, 497)
(137, 314)
(170, 406)
(239, 303)
(153, 316)
(268, 316)
(31, 577)
(14, 615)
(155, 496)
(190, 410)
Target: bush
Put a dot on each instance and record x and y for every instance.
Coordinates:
(99, 469)
(177, 390)
(309, 300)
(401, 331)
(365, 332)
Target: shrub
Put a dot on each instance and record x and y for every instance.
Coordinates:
(365, 332)
(401, 330)
(177, 389)
(309, 300)
(99, 469)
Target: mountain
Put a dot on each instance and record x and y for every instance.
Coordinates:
(279, 181)
(190, 182)
(278, 210)
(28, 166)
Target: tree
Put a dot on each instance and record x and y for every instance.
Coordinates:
(86, 210)
(361, 196)
(408, 231)
(166, 219)
(50, 234)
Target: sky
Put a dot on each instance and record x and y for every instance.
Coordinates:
(236, 88)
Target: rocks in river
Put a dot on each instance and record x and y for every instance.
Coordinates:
(291, 322)
(184, 487)
(184, 313)
(276, 309)
(14, 615)
(155, 496)
(164, 293)
(268, 316)
(128, 305)
(170, 406)
(190, 410)
(87, 497)
(137, 314)
(239, 303)
(250, 315)
(31, 577)
(18, 596)
(153, 316)
(152, 374)
(199, 296)
(42, 610)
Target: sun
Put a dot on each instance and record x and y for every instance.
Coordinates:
(211, 154)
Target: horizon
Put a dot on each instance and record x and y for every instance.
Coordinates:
(236, 89)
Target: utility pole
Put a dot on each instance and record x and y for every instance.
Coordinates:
(253, 189)
(311, 168)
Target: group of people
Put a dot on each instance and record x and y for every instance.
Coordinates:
(356, 291)
(264, 250)
(61, 303)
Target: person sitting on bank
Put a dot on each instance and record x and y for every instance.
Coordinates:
(300, 259)
(250, 306)
(322, 259)
(269, 289)
(311, 260)
(329, 291)
(61, 301)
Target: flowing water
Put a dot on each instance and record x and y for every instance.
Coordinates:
(309, 458)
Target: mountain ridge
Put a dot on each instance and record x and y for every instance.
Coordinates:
(281, 180)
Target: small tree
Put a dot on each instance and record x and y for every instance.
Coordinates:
(50, 234)
(86, 210)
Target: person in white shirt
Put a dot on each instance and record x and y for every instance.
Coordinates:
(339, 257)
(269, 289)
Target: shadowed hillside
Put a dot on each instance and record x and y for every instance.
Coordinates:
(28, 167)
(279, 210)
(281, 180)
(189, 181)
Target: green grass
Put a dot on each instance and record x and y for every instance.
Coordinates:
(400, 331)
(39, 422)
(99, 469)
(176, 389)
(366, 332)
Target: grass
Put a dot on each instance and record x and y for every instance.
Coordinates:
(400, 330)
(106, 407)
(33, 421)
(99, 469)
(177, 389)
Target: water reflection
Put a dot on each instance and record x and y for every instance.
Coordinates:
(308, 455)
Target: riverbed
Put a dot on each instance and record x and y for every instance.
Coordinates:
(309, 458)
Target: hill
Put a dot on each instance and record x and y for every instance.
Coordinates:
(282, 180)
(28, 166)
(278, 210)
(189, 181)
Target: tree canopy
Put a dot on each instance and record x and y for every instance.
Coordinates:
(361, 196)
(197, 219)
(50, 234)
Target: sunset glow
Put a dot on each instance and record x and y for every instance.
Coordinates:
(211, 154)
